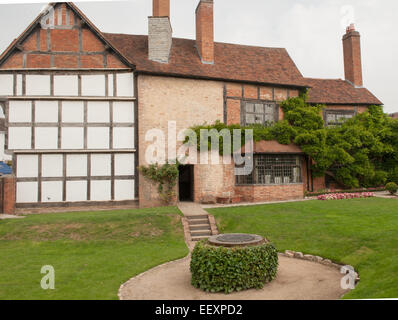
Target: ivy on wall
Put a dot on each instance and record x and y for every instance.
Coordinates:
(361, 152)
(165, 176)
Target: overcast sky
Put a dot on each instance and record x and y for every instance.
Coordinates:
(311, 31)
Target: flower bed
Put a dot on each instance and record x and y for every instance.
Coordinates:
(340, 196)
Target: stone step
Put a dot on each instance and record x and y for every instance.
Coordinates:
(201, 233)
(198, 221)
(196, 217)
(198, 238)
(200, 227)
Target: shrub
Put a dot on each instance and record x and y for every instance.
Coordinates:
(392, 187)
(221, 269)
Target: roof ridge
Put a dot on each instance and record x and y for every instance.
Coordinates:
(188, 39)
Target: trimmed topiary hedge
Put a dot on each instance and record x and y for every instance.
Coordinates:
(392, 187)
(221, 269)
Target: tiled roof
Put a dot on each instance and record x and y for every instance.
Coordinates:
(239, 63)
(337, 91)
(232, 62)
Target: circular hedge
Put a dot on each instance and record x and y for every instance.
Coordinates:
(217, 269)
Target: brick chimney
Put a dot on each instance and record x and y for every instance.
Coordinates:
(160, 32)
(352, 56)
(205, 31)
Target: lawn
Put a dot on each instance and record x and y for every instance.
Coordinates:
(92, 253)
(359, 232)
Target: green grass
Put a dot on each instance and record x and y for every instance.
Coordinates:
(92, 253)
(359, 232)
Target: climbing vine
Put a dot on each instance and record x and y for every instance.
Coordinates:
(165, 176)
(361, 152)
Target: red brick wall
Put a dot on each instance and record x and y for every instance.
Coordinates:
(270, 193)
(69, 45)
(9, 194)
(236, 92)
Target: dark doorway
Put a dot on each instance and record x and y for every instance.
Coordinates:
(185, 183)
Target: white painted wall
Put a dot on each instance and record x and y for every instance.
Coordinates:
(46, 138)
(6, 84)
(72, 136)
(76, 191)
(3, 156)
(46, 111)
(65, 85)
(20, 111)
(73, 111)
(27, 192)
(19, 138)
(38, 85)
(93, 85)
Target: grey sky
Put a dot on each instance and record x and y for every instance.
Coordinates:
(310, 30)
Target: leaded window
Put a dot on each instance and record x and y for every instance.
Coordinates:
(337, 117)
(264, 113)
(273, 169)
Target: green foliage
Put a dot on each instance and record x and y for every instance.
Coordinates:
(362, 152)
(220, 269)
(165, 176)
(392, 187)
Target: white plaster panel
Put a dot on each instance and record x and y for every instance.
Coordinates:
(98, 111)
(46, 111)
(76, 165)
(123, 112)
(19, 138)
(6, 84)
(46, 138)
(123, 138)
(100, 165)
(76, 191)
(125, 84)
(51, 191)
(100, 190)
(93, 85)
(20, 111)
(52, 165)
(110, 85)
(72, 138)
(66, 85)
(19, 84)
(26, 192)
(27, 166)
(73, 111)
(124, 189)
(37, 85)
(98, 138)
(124, 164)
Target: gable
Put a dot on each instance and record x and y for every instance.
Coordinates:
(64, 38)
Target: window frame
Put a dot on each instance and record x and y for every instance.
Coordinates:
(253, 178)
(326, 112)
(243, 111)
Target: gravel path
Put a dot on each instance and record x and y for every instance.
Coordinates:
(296, 280)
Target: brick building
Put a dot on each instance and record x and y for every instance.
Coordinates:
(78, 103)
